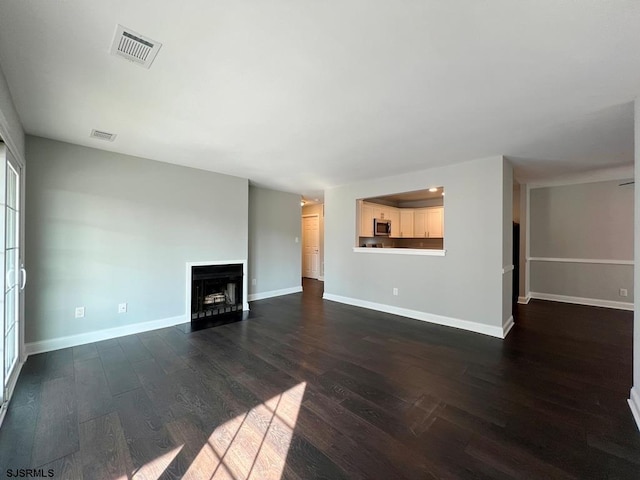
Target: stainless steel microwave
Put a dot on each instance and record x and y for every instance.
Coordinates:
(381, 228)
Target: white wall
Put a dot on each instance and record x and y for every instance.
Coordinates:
(318, 209)
(274, 254)
(104, 228)
(465, 287)
(582, 221)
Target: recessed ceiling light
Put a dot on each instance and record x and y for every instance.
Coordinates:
(302, 202)
(433, 189)
(443, 194)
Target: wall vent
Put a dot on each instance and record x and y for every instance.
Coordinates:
(100, 135)
(134, 47)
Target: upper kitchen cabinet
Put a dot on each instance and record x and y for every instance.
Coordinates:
(435, 222)
(429, 222)
(366, 219)
(407, 219)
(420, 223)
(381, 212)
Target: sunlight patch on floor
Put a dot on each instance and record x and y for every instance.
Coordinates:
(155, 468)
(253, 445)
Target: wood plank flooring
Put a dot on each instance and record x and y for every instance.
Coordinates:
(305, 389)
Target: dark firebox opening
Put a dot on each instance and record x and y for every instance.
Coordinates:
(215, 290)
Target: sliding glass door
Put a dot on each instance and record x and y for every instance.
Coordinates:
(14, 275)
(12, 269)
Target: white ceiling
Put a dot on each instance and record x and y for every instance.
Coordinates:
(300, 95)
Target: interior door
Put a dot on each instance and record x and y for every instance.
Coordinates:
(310, 247)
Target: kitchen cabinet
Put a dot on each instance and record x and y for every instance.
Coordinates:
(406, 222)
(394, 216)
(428, 222)
(435, 222)
(420, 223)
(381, 212)
(366, 219)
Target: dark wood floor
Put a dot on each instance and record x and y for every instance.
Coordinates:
(314, 389)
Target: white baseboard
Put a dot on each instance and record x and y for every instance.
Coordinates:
(634, 403)
(274, 293)
(507, 326)
(90, 337)
(418, 315)
(524, 300)
(592, 302)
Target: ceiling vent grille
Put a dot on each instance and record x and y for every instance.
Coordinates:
(134, 47)
(100, 135)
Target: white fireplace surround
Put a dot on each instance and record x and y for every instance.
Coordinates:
(190, 265)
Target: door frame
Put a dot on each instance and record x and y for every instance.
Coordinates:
(308, 215)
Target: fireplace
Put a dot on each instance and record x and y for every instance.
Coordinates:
(216, 290)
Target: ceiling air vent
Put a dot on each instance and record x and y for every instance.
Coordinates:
(100, 135)
(134, 47)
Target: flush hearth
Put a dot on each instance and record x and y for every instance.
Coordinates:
(215, 290)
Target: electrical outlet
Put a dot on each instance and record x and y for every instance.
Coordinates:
(395, 291)
(623, 292)
(297, 239)
(122, 308)
(79, 312)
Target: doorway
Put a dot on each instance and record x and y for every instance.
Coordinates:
(311, 246)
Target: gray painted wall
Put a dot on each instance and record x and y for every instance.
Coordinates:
(465, 284)
(590, 220)
(584, 221)
(583, 280)
(104, 228)
(318, 210)
(274, 254)
(10, 125)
